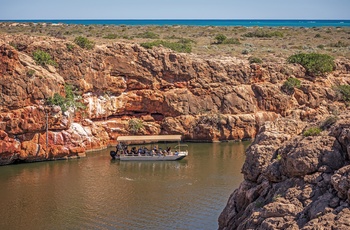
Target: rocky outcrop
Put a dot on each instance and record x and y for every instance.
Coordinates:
(202, 99)
(292, 181)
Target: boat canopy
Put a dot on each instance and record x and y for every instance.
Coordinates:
(150, 138)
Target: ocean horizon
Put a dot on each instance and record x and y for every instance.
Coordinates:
(196, 22)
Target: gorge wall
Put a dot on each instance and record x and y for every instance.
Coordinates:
(203, 99)
(292, 181)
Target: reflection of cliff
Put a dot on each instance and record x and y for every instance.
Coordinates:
(293, 182)
(202, 99)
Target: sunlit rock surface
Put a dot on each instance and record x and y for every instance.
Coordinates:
(222, 98)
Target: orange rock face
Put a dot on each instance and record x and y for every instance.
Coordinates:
(202, 99)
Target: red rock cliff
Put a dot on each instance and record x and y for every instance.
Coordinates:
(202, 99)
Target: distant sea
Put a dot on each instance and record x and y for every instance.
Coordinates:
(202, 22)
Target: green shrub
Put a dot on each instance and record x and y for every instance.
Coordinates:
(261, 33)
(84, 43)
(220, 38)
(135, 125)
(234, 41)
(254, 60)
(313, 131)
(70, 47)
(176, 46)
(148, 34)
(344, 91)
(290, 84)
(317, 35)
(314, 63)
(111, 36)
(70, 100)
(43, 58)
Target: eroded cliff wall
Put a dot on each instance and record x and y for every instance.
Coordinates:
(202, 99)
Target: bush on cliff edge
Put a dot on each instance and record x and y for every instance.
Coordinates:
(43, 58)
(182, 45)
(314, 63)
(84, 43)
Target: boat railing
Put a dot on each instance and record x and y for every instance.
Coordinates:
(183, 146)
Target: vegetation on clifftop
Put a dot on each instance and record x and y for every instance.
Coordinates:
(314, 63)
(84, 43)
(182, 45)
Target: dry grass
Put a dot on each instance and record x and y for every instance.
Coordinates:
(327, 40)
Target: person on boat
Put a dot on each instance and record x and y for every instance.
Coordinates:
(126, 150)
(168, 150)
(139, 151)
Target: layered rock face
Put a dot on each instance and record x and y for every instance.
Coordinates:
(172, 93)
(292, 181)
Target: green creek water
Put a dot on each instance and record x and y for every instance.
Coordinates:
(98, 193)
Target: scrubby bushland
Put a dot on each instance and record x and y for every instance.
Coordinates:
(43, 58)
(260, 33)
(111, 36)
(148, 34)
(180, 46)
(289, 85)
(84, 43)
(222, 39)
(314, 63)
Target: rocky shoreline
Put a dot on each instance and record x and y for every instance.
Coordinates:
(293, 182)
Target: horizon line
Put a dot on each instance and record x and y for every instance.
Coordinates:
(173, 19)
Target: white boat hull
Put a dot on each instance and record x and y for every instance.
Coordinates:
(152, 158)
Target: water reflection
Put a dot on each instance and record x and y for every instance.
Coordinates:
(97, 193)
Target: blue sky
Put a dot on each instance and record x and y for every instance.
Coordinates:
(174, 9)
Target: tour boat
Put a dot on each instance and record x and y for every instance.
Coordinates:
(123, 153)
